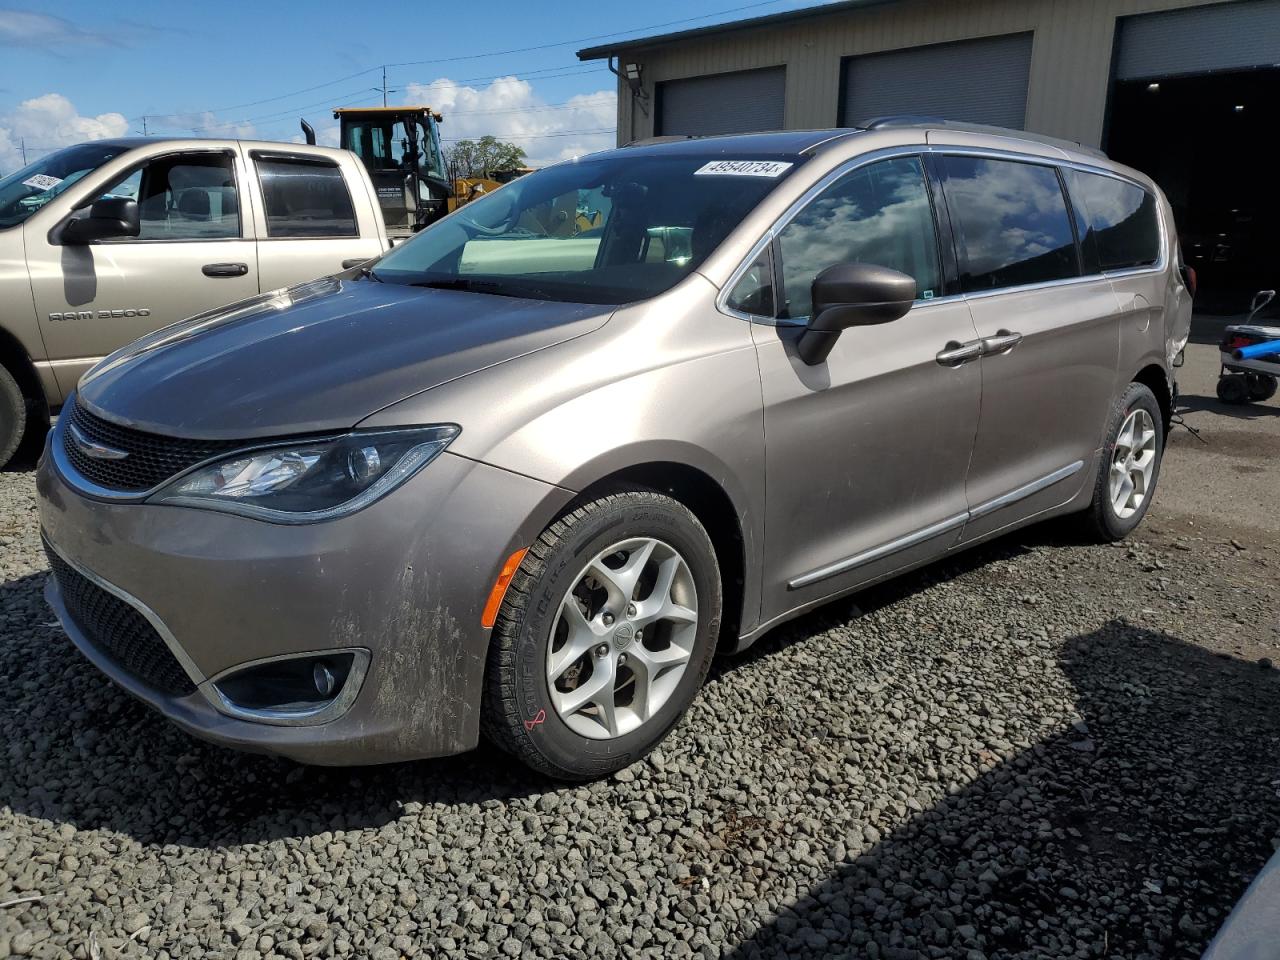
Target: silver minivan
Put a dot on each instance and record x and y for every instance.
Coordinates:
(530, 471)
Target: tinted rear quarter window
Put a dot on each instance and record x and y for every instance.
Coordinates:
(305, 199)
(1120, 219)
(1011, 222)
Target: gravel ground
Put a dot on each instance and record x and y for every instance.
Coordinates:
(1040, 748)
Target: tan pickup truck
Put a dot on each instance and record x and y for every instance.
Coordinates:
(103, 242)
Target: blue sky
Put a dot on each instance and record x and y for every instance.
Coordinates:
(77, 70)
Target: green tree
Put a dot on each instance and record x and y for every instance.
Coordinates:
(481, 158)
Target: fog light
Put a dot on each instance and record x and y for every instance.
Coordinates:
(324, 679)
(309, 688)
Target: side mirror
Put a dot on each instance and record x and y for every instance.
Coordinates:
(108, 218)
(852, 295)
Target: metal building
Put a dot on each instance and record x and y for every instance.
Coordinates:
(1183, 89)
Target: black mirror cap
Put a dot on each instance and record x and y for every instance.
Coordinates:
(853, 295)
(108, 218)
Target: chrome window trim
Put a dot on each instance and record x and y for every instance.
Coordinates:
(292, 718)
(188, 665)
(910, 150)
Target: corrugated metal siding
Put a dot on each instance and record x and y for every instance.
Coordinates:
(724, 103)
(1070, 63)
(1193, 41)
(983, 81)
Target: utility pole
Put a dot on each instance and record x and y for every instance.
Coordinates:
(24, 151)
(144, 125)
(384, 84)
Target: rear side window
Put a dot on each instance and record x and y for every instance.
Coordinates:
(1118, 217)
(305, 199)
(1011, 223)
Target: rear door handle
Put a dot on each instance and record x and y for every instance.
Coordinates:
(956, 353)
(225, 269)
(1002, 342)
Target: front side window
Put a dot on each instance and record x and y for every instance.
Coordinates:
(1011, 222)
(753, 293)
(614, 229)
(305, 198)
(25, 192)
(1119, 216)
(186, 197)
(877, 214)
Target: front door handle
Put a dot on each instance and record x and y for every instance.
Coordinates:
(956, 353)
(1002, 342)
(225, 269)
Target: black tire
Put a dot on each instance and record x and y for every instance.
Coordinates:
(1233, 389)
(1262, 386)
(1100, 521)
(516, 711)
(13, 416)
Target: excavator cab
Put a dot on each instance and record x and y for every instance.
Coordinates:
(400, 147)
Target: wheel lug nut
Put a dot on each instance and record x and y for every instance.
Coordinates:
(622, 659)
(607, 619)
(602, 650)
(631, 610)
(639, 635)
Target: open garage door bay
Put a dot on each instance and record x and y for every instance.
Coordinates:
(1193, 105)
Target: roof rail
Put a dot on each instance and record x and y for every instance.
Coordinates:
(911, 120)
(665, 138)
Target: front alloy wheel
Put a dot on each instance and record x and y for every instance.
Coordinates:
(605, 634)
(623, 639)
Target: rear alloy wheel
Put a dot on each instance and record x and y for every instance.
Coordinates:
(13, 416)
(1129, 467)
(605, 635)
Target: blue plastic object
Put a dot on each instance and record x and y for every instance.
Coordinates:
(1265, 349)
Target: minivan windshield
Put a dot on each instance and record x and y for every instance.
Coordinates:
(610, 229)
(25, 192)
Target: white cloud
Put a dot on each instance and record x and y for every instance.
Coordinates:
(509, 109)
(48, 123)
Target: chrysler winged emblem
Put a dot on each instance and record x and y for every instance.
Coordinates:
(91, 448)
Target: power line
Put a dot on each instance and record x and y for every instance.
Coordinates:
(537, 136)
(475, 56)
(598, 36)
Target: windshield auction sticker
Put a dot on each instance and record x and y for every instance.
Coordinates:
(42, 181)
(744, 168)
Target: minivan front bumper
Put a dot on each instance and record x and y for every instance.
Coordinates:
(403, 582)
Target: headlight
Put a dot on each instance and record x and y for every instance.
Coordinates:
(308, 481)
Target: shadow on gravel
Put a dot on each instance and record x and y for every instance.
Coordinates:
(1131, 835)
(1192, 403)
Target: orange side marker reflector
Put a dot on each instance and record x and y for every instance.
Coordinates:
(490, 615)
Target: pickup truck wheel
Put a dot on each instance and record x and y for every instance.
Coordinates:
(13, 415)
(1128, 468)
(605, 635)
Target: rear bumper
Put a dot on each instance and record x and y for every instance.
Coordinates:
(405, 580)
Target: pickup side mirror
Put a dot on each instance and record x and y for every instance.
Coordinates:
(852, 295)
(108, 218)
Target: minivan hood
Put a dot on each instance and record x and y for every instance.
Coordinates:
(320, 356)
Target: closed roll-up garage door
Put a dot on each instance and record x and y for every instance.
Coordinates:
(722, 103)
(1227, 36)
(981, 81)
